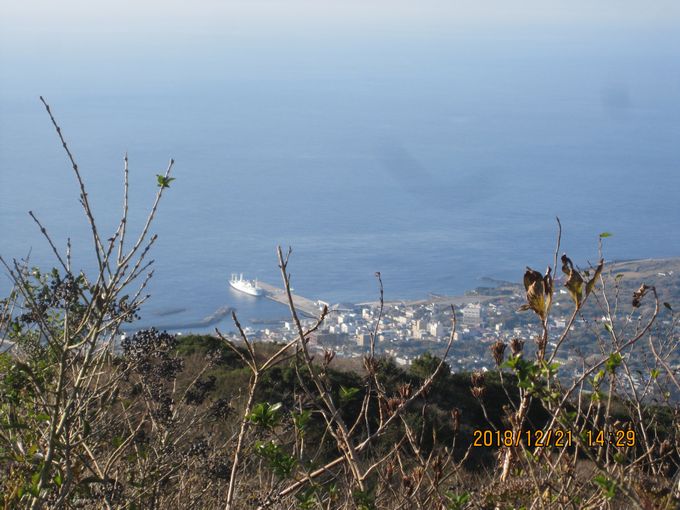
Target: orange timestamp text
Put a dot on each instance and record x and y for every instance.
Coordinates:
(554, 438)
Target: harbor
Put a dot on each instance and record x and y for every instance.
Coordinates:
(303, 305)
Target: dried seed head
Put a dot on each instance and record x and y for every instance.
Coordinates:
(664, 447)
(404, 391)
(199, 448)
(639, 294)
(328, 356)
(477, 379)
(478, 391)
(498, 351)
(538, 292)
(213, 358)
(540, 343)
(438, 468)
(393, 404)
(220, 408)
(574, 283)
(478, 388)
(516, 346)
(455, 419)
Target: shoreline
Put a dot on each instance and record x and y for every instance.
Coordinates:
(634, 270)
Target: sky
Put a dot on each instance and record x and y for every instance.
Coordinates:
(51, 42)
(31, 21)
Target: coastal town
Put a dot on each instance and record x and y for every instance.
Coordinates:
(484, 316)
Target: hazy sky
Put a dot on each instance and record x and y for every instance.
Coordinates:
(49, 46)
(26, 20)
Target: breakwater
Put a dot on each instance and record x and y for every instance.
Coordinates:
(207, 321)
(303, 305)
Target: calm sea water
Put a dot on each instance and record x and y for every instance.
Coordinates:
(436, 162)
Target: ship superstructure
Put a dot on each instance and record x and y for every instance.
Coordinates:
(246, 286)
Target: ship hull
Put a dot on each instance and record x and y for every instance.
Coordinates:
(246, 289)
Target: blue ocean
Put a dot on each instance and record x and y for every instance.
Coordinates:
(437, 161)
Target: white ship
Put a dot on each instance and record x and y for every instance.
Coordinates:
(246, 286)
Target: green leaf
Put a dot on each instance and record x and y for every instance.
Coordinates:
(347, 394)
(609, 327)
(164, 182)
(364, 500)
(265, 414)
(604, 235)
(600, 480)
(608, 486)
(307, 499)
(598, 378)
(654, 373)
(301, 420)
(525, 383)
(570, 417)
(613, 362)
(279, 461)
(35, 482)
(457, 501)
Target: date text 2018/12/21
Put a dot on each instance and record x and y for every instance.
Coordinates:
(558, 438)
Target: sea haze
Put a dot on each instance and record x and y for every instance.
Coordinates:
(435, 160)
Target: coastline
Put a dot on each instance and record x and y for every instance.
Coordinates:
(637, 269)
